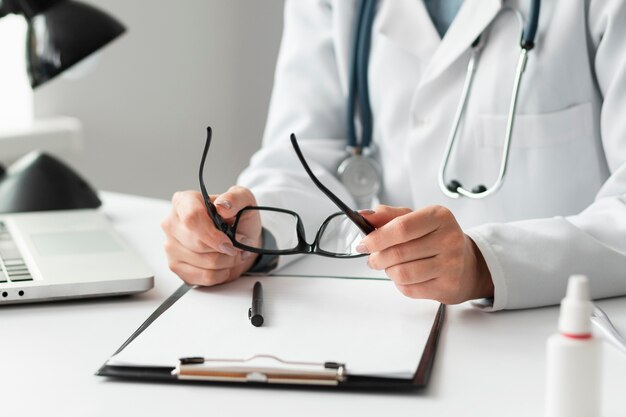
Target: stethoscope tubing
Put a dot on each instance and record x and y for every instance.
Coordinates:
(359, 78)
(358, 92)
(530, 31)
(454, 189)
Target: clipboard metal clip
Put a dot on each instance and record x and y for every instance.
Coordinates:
(267, 369)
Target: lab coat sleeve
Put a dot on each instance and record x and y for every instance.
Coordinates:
(531, 260)
(308, 99)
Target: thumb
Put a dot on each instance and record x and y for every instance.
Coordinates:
(382, 214)
(233, 200)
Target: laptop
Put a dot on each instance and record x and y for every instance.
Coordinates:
(56, 255)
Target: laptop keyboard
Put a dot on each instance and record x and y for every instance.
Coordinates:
(12, 265)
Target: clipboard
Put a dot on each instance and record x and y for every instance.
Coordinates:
(271, 370)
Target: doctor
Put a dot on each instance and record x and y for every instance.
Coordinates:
(561, 208)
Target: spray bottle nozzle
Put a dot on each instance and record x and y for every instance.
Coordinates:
(576, 308)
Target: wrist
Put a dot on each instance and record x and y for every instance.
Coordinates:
(484, 287)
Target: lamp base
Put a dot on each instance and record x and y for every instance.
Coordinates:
(40, 182)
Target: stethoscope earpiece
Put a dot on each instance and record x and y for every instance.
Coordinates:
(479, 189)
(453, 185)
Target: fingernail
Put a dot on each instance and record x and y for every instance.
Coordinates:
(224, 204)
(361, 248)
(227, 249)
(244, 240)
(368, 263)
(245, 255)
(367, 211)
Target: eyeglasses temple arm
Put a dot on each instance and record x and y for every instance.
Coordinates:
(217, 219)
(356, 218)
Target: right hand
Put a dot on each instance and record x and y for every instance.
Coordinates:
(196, 250)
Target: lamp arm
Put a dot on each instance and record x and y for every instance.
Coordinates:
(6, 8)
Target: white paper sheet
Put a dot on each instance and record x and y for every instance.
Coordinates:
(322, 266)
(366, 324)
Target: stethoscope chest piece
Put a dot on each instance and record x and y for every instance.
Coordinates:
(361, 175)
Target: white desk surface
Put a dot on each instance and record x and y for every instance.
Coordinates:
(487, 364)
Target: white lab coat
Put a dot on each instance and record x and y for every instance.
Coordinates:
(562, 208)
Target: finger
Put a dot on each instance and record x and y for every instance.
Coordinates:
(173, 229)
(193, 275)
(404, 228)
(233, 200)
(208, 260)
(200, 241)
(414, 272)
(382, 214)
(193, 227)
(425, 290)
(432, 290)
(422, 248)
(191, 212)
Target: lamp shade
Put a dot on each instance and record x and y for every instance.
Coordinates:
(63, 35)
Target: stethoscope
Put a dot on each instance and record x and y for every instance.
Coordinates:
(360, 172)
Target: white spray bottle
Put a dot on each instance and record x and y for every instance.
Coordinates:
(574, 358)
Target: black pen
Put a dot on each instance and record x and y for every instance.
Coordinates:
(255, 313)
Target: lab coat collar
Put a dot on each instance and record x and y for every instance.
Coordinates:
(408, 24)
(472, 19)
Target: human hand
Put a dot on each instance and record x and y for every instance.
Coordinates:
(196, 250)
(426, 254)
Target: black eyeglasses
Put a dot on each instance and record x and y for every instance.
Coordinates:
(337, 237)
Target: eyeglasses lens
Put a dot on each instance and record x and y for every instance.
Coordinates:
(340, 236)
(284, 224)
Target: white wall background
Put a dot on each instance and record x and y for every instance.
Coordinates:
(146, 104)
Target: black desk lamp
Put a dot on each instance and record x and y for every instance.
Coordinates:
(60, 34)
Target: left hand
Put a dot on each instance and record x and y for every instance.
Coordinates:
(426, 254)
